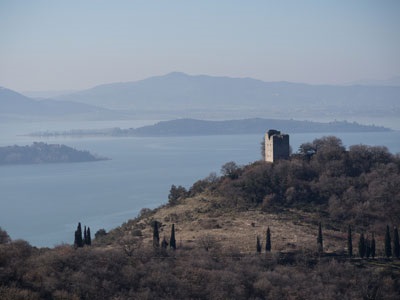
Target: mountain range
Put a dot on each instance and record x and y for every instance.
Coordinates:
(178, 95)
(185, 92)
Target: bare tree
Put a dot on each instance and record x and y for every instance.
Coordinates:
(208, 242)
(130, 244)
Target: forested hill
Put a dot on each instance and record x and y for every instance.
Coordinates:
(316, 226)
(39, 153)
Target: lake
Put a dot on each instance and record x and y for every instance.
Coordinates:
(43, 203)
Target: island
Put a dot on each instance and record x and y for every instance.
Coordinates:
(193, 127)
(40, 153)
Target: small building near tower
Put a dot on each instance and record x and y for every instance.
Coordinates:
(276, 146)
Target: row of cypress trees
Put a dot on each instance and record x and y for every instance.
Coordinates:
(366, 247)
(164, 243)
(86, 240)
(267, 242)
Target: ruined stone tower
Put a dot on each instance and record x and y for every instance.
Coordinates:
(276, 145)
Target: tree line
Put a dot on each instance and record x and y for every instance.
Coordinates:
(367, 247)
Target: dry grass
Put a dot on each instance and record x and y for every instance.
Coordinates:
(199, 218)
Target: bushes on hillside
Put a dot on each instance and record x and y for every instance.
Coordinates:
(98, 273)
(360, 186)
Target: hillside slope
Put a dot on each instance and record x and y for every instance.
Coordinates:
(199, 222)
(359, 187)
(217, 222)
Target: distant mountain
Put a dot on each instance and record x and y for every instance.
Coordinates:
(12, 102)
(16, 104)
(210, 97)
(394, 81)
(46, 94)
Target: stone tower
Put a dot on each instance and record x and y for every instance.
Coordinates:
(276, 145)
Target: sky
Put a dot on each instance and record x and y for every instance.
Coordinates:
(48, 45)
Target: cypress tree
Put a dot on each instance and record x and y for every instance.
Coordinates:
(373, 246)
(258, 245)
(349, 242)
(361, 246)
(388, 243)
(164, 243)
(396, 245)
(76, 245)
(156, 236)
(78, 242)
(88, 237)
(320, 239)
(172, 241)
(84, 236)
(367, 248)
(80, 235)
(268, 241)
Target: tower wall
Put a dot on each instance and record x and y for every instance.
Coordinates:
(276, 146)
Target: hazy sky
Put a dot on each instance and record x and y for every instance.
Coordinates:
(61, 45)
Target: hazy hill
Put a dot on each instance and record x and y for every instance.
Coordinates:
(16, 104)
(12, 102)
(182, 92)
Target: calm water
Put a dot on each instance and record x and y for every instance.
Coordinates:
(43, 203)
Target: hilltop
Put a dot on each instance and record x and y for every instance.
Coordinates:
(358, 187)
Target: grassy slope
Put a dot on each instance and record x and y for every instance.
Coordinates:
(198, 218)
